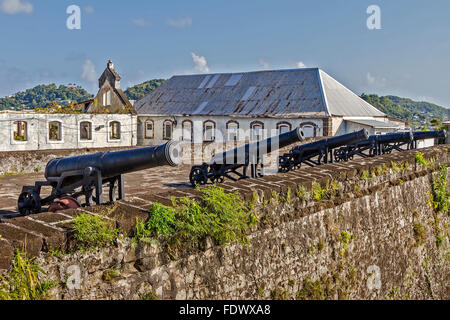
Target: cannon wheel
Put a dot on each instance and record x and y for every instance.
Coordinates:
(217, 179)
(339, 155)
(29, 203)
(284, 164)
(198, 176)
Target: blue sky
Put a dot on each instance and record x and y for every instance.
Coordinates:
(409, 56)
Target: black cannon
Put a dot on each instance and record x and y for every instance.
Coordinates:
(221, 166)
(423, 135)
(374, 146)
(72, 178)
(322, 149)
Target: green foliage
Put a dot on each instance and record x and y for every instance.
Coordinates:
(419, 233)
(396, 167)
(417, 114)
(331, 189)
(93, 232)
(279, 294)
(110, 275)
(345, 239)
(24, 282)
(223, 217)
(440, 197)
(312, 290)
(141, 90)
(380, 170)
(44, 95)
(302, 193)
(420, 159)
(151, 295)
(366, 175)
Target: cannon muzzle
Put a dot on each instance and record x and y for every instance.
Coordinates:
(71, 178)
(119, 162)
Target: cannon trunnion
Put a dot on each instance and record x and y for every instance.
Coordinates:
(74, 177)
(251, 155)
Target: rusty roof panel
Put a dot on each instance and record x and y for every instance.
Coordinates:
(265, 93)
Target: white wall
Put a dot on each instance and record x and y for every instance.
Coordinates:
(270, 126)
(38, 132)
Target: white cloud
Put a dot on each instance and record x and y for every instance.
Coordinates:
(375, 81)
(200, 63)
(140, 22)
(89, 9)
(15, 6)
(180, 23)
(89, 74)
(300, 64)
(264, 64)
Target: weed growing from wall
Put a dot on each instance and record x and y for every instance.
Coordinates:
(25, 282)
(93, 232)
(220, 216)
(440, 196)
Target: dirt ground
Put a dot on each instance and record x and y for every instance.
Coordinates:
(155, 180)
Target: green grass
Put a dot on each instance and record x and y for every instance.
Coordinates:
(331, 189)
(303, 194)
(441, 194)
(25, 281)
(93, 232)
(220, 216)
(420, 159)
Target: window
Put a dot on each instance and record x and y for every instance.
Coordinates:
(107, 98)
(256, 131)
(85, 131)
(309, 129)
(167, 130)
(20, 131)
(283, 127)
(232, 131)
(114, 130)
(187, 130)
(149, 129)
(55, 131)
(209, 131)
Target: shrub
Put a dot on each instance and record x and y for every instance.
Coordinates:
(223, 217)
(24, 281)
(93, 232)
(420, 159)
(440, 196)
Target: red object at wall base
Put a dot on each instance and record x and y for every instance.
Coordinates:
(64, 204)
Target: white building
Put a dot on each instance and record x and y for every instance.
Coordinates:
(21, 131)
(239, 106)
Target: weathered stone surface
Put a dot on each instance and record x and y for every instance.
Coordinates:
(361, 244)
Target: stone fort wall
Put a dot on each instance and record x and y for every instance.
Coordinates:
(378, 238)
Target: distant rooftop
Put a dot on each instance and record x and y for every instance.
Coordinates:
(286, 93)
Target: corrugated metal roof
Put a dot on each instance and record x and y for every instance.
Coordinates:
(375, 124)
(287, 93)
(343, 102)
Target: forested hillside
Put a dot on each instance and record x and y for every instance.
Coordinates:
(416, 113)
(44, 95)
(141, 90)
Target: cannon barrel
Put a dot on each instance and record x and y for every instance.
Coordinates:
(422, 135)
(250, 153)
(119, 162)
(331, 143)
(395, 137)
